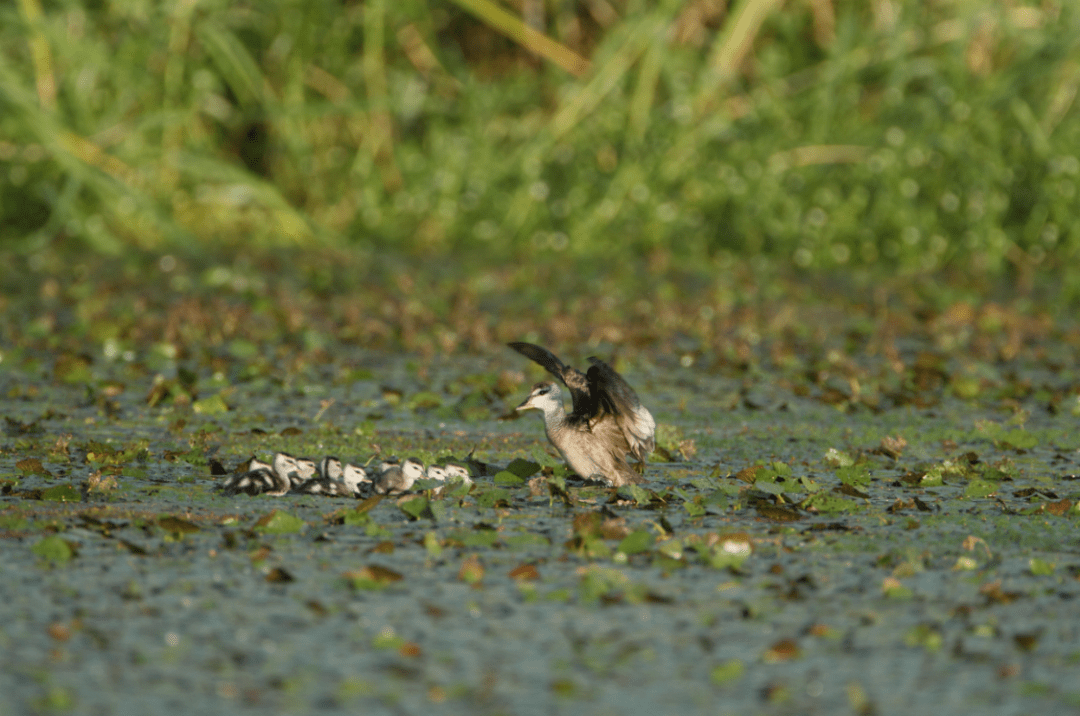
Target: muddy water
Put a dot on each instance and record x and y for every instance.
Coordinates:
(929, 583)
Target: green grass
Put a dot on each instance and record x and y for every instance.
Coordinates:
(816, 135)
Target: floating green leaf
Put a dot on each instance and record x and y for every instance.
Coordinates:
(505, 477)
(1017, 439)
(927, 637)
(432, 544)
(279, 523)
(493, 497)
(838, 458)
(727, 672)
(32, 466)
(424, 400)
(637, 542)
(13, 521)
(61, 493)
(980, 488)
(473, 538)
(1040, 567)
(638, 494)
(694, 508)
(826, 502)
(53, 548)
(211, 405)
(524, 540)
(854, 475)
(177, 525)
(372, 576)
(415, 508)
(523, 468)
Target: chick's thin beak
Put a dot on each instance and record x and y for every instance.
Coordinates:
(525, 405)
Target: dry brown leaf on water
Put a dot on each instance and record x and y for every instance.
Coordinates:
(893, 446)
(279, 575)
(525, 573)
(472, 570)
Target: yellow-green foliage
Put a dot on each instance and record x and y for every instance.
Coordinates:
(903, 134)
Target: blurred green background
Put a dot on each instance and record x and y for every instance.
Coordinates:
(892, 137)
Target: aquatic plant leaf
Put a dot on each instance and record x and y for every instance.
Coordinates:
(279, 575)
(727, 672)
(211, 405)
(638, 494)
(825, 502)
(493, 497)
(523, 468)
(893, 589)
(54, 549)
(61, 493)
(778, 514)
(979, 489)
(424, 400)
(432, 544)
(472, 570)
(473, 537)
(353, 517)
(279, 523)
(505, 477)
(13, 521)
(388, 639)
(356, 518)
(838, 458)
(457, 489)
(1017, 439)
(524, 573)
(32, 466)
(854, 475)
(524, 540)
(637, 542)
(771, 488)
(372, 576)
(177, 525)
(1061, 508)
(926, 636)
(1040, 567)
(541, 457)
(783, 650)
(749, 474)
(437, 510)
(414, 507)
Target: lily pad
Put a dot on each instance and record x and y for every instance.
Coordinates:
(637, 542)
(505, 477)
(279, 523)
(177, 525)
(522, 468)
(61, 493)
(415, 508)
(54, 549)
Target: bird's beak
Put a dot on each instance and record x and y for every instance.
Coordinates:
(525, 405)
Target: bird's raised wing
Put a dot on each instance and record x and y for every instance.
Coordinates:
(574, 380)
(612, 395)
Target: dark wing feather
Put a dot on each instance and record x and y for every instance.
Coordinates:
(613, 395)
(574, 380)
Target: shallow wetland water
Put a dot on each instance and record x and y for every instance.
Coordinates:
(790, 552)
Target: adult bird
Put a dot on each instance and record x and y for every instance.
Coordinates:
(607, 422)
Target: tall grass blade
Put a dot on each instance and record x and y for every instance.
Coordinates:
(380, 128)
(735, 42)
(606, 78)
(39, 51)
(237, 67)
(529, 38)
